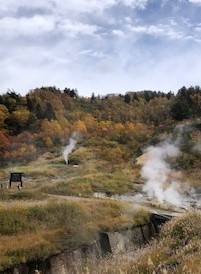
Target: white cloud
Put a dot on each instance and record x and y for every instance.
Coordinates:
(135, 3)
(157, 30)
(92, 53)
(195, 1)
(119, 33)
(12, 6)
(95, 45)
(74, 28)
(79, 6)
(46, 16)
(11, 27)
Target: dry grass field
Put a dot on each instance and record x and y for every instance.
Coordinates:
(56, 210)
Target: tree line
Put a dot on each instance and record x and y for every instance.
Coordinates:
(45, 118)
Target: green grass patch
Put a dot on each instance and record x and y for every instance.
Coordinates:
(114, 183)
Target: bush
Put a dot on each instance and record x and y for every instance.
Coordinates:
(178, 250)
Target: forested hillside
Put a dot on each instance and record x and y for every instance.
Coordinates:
(113, 132)
(44, 119)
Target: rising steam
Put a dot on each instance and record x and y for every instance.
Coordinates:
(161, 181)
(70, 147)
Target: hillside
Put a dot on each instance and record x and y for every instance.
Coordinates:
(104, 184)
(112, 131)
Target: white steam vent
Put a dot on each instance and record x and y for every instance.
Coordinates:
(70, 147)
(161, 182)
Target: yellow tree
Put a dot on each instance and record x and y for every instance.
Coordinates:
(80, 127)
(20, 117)
(90, 122)
(51, 131)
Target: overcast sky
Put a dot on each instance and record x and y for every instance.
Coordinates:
(100, 46)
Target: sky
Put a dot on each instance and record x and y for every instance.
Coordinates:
(100, 46)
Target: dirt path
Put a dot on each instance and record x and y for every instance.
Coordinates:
(71, 198)
(135, 205)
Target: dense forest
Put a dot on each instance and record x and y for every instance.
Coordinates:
(45, 118)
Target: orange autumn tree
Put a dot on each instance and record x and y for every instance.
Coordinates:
(51, 132)
(80, 127)
(90, 123)
(4, 145)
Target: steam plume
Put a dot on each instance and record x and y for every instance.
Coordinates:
(160, 183)
(70, 147)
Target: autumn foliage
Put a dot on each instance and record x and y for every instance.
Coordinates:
(118, 126)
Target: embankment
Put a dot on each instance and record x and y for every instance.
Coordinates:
(105, 243)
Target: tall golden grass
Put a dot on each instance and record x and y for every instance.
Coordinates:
(177, 251)
(30, 231)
